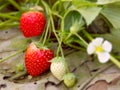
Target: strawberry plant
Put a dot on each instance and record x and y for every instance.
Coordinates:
(77, 25)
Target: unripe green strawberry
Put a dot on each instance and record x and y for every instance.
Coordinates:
(69, 79)
(19, 67)
(58, 67)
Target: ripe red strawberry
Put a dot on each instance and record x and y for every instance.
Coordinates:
(32, 23)
(37, 60)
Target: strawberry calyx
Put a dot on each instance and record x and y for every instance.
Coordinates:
(76, 27)
(58, 59)
(40, 46)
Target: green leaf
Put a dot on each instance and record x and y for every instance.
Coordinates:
(107, 1)
(112, 14)
(82, 3)
(89, 13)
(114, 38)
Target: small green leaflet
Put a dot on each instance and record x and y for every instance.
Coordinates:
(112, 13)
(89, 13)
(82, 3)
(89, 10)
(114, 38)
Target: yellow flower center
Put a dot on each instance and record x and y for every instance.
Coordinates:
(99, 49)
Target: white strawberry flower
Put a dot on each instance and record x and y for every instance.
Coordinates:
(100, 47)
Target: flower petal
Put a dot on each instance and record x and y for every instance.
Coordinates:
(97, 41)
(107, 46)
(90, 48)
(103, 57)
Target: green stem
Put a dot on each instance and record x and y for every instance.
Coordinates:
(68, 11)
(115, 61)
(11, 55)
(88, 35)
(46, 33)
(5, 22)
(60, 6)
(75, 47)
(49, 34)
(9, 24)
(50, 3)
(8, 16)
(79, 42)
(12, 13)
(15, 4)
(69, 35)
(37, 2)
(60, 48)
(47, 11)
(18, 75)
(53, 28)
(42, 36)
(3, 6)
(86, 44)
(56, 3)
(52, 24)
(55, 13)
(59, 40)
(62, 22)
